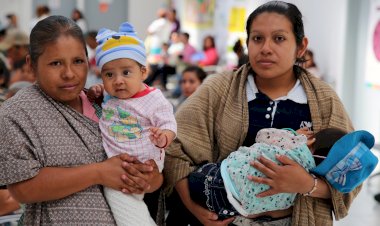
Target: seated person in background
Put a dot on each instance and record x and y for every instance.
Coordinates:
(192, 78)
(158, 73)
(185, 59)
(170, 55)
(310, 64)
(175, 49)
(209, 56)
(93, 76)
(4, 79)
(188, 49)
(22, 72)
(230, 181)
(17, 86)
(78, 17)
(16, 46)
(239, 51)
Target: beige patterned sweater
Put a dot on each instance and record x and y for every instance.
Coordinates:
(214, 121)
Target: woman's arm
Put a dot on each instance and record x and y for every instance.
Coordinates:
(53, 183)
(205, 216)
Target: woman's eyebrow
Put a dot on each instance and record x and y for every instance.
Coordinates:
(275, 31)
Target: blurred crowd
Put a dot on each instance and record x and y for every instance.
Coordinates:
(167, 45)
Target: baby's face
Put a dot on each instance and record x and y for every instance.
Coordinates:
(123, 78)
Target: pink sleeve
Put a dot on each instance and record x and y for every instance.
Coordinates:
(210, 59)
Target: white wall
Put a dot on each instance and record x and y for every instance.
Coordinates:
(366, 100)
(325, 26)
(138, 13)
(141, 13)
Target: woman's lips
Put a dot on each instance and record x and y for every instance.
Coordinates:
(69, 86)
(266, 63)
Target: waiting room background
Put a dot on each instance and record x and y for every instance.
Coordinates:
(341, 34)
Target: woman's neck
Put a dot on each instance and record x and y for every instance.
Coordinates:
(276, 87)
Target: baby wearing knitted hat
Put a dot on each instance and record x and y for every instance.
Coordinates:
(136, 119)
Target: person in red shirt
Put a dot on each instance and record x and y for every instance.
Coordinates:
(211, 56)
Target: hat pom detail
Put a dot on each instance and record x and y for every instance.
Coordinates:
(127, 28)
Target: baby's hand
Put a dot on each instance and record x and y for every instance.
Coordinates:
(158, 137)
(95, 92)
(309, 134)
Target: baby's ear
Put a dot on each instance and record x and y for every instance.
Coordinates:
(144, 72)
(103, 34)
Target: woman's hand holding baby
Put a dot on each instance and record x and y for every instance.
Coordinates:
(287, 178)
(127, 174)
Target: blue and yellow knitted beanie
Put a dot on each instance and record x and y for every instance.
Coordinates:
(114, 45)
